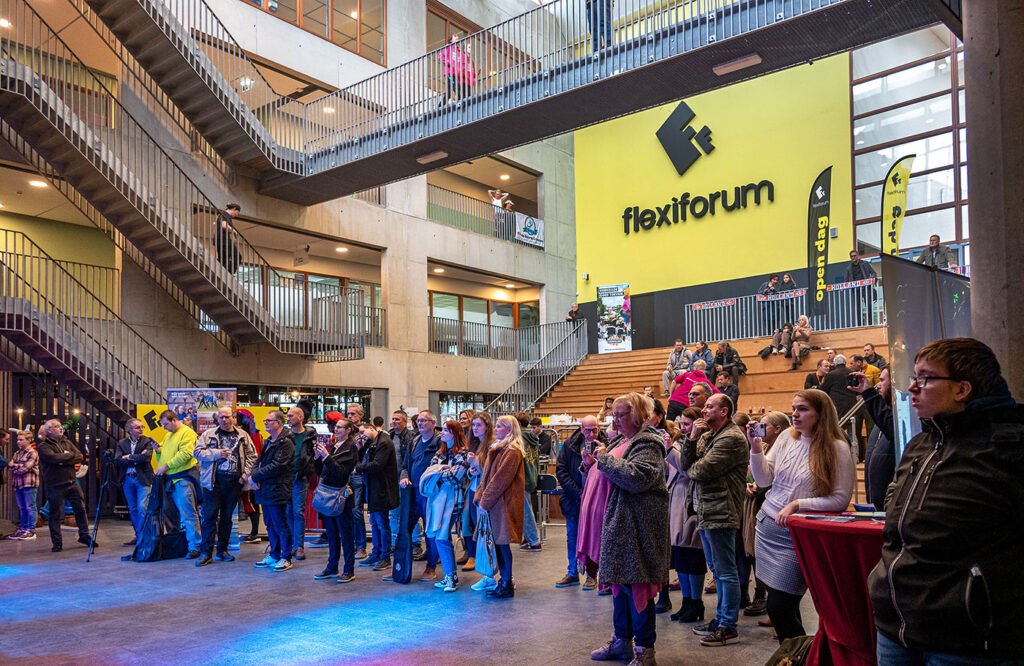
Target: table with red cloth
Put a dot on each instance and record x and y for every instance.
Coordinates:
(836, 559)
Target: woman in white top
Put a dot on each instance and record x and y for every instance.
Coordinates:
(809, 468)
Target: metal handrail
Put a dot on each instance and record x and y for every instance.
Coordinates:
(43, 301)
(159, 192)
(537, 380)
(567, 45)
(103, 224)
(462, 211)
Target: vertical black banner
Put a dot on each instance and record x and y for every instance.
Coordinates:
(818, 224)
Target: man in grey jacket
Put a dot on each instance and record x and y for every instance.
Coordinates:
(715, 456)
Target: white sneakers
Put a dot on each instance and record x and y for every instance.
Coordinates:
(266, 562)
(484, 584)
(283, 565)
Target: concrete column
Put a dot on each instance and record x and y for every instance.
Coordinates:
(994, 61)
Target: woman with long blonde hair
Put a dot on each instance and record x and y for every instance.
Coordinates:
(482, 430)
(809, 468)
(502, 495)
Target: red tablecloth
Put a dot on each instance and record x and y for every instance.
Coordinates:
(836, 559)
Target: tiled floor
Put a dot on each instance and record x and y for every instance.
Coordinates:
(56, 609)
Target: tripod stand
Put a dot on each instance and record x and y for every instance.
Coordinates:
(108, 468)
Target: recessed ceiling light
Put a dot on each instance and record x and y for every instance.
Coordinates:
(4, 23)
(341, 249)
(439, 270)
(37, 183)
(504, 176)
(510, 286)
(749, 60)
(354, 14)
(328, 109)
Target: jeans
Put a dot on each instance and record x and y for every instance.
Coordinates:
(691, 585)
(599, 22)
(277, 530)
(184, 495)
(419, 510)
(136, 496)
(446, 550)
(720, 552)
(55, 496)
(358, 486)
(380, 530)
(629, 623)
(297, 514)
(530, 533)
(572, 528)
(26, 498)
(217, 511)
(891, 653)
(339, 541)
(504, 554)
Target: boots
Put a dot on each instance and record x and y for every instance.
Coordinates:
(695, 612)
(643, 657)
(617, 649)
(683, 610)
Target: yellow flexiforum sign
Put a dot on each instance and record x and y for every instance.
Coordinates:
(748, 153)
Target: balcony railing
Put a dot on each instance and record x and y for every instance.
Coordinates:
(470, 214)
(527, 344)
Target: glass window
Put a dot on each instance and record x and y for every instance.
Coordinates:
(502, 314)
(894, 52)
(437, 31)
(252, 278)
(963, 106)
(372, 30)
(963, 144)
(905, 121)
(924, 79)
(285, 9)
(927, 190)
(445, 306)
(529, 314)
(869, 238)
(917, 228)
(314, 17)
(288, 298)
(932, 152)
(963, 182)
(965, 223)
(345, 28)
(474, 310)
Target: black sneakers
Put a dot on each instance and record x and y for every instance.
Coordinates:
(720, 638)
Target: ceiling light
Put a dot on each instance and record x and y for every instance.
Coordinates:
(510, 286)
(37, 183)
(328, 109)
(245, 84)
(1, 205)
(749, 60)
(4, 23)
(439, 270)
(432, 157)
(341, 249)
(354, 14)
(504, 176)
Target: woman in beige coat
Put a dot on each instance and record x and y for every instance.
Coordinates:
(502, 494)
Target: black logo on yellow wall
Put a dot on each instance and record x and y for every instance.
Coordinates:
(677, 138)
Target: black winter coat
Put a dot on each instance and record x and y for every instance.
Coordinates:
(57, 460)
(275, 470)
(336, 469)
(949, 579)
(305, 462)
(836, 384)
(381, 470)
(568, 469)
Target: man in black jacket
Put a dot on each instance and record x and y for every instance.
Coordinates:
(59, 459)
(133, 457)
(402, 437)
(380, 470)
(224, 237)
(837, 386)
(569, 471)
(948, 588)
(272, 479)
(304, 438)
(728, 360)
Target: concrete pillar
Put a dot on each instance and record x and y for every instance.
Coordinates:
(994, 61)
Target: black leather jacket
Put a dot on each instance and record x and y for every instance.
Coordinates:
(949, 580)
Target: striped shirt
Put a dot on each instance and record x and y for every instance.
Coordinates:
(25, 469)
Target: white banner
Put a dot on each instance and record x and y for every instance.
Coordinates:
(614, 319)
(529, 230)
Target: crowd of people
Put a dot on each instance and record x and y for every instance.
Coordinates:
(645, 491)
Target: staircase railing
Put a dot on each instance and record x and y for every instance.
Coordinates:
(565, 353)
(43, 167)
(41, 301)
(160, 194)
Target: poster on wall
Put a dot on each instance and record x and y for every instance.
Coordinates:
(818, 225)
(614, 319)
(200, 404)
(529, 230)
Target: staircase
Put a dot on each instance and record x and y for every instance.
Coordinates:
(547, 81)
(769, 384)
(69, 331)
(95, 145)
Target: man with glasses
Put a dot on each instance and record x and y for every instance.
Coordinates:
(59, 460)
(856, 271)
(403, 437)
(416, 462)
(570, 475)
(304, 438)
(272, 477)
(948, 589)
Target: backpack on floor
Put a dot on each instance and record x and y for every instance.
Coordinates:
(792, 652)
(160, 537)
(401, 559)
(766, 352)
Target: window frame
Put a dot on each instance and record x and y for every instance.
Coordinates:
(263, 5)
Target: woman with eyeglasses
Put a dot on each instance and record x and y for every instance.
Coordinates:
(502, 494)
(681, 387)
(334, 464)
(809, 468)
(444, 509)
(482, 428)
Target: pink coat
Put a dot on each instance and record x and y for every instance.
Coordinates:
(687, 380)
(457, 64)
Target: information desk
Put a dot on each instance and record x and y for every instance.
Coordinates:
(836, 559)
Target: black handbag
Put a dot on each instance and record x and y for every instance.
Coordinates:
(330, 501)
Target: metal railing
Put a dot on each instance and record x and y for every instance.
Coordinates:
(461, 211)
(155, 191)
(63, 319)
(104, 282)
(849, 305)
(464, 338)
(555, 48)
(566, 347)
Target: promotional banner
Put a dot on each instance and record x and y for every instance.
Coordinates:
(894, 204)
(529, 230)
(712, 305)
(200, 405)
(249, 418)
(781, 296)
(818, 224)
(613, 319)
